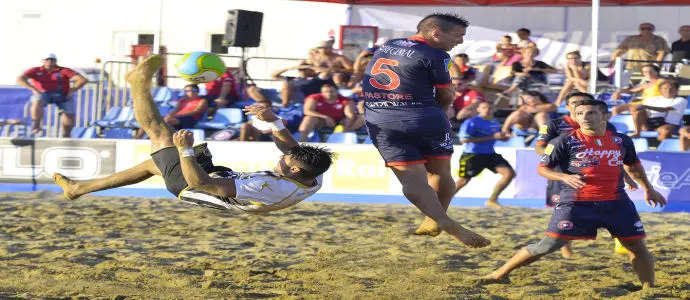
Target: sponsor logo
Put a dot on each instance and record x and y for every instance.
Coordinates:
(448, 64)
(573, 140)
(613, 156)
(544, 129)
(593, 162)
(565, 225)
(548, 150)
(638, 224)
(404, 43)
(617, 140)
(668, 179)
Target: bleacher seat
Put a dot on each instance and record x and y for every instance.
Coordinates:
(223, 118)
(367, 140)
(669, 145)
(122, 117)
(199, 134)
(242, 104)
(515, 142)
(15, 130)
(641, 144)
(649, 134)
(623, 123)
(164, 111)
(342, 138)
(83, 132)
(162, 95)
(312, 137)
(118, 133)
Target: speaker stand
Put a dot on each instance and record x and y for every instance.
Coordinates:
(244, 75)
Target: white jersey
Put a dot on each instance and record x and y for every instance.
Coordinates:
(256, 192)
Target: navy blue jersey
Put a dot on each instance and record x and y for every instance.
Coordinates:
(401, 79)
(479, 127)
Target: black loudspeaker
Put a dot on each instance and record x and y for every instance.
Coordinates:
(243, 28)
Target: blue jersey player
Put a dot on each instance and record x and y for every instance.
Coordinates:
(407, 89)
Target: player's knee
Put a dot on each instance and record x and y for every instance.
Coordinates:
(636, 246)
(545, 246)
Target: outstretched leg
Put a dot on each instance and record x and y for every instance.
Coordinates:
(528, 255)
(145, 110)
(74, 189)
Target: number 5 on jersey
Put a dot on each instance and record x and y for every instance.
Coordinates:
(394, 79)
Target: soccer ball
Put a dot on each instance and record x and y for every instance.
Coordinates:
(200, 67)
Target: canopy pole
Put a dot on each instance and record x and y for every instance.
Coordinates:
(159, 26)
(594, 64)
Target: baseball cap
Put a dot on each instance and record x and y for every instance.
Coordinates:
(50, 56)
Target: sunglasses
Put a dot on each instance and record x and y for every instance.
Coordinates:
(191, 91)
(646, 28)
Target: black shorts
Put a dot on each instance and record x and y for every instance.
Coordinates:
(654, 123)
(186, 122)
(168, 162)
(472, 164)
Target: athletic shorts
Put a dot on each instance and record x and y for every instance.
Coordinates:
(168, 162)
(472, 164)
(553, 192)
(580, 220)
(654, 123)
(186, 122)
(410, 142)
(58, 99)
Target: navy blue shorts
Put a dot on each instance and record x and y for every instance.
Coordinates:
(410, 142)
(186, 122)
(580, 220)
(553, 192)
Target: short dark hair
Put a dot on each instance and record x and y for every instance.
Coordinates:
(576, 52)
(673, 83)
(330, 85)
(463, 55)
(193, 86)
(603, 107)
(539, 96)
(443, 21)
(313, 160)
(653, 66)
(578, 94)
(524, 30)
(510, 38)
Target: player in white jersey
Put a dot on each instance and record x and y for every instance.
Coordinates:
(189, 173)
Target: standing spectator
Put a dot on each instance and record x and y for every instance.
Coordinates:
(331, 64)
(326, 110)
(295, 89)
(525, 42)
(662, 113)
(222, 92)
(467, 98)
(188, 111)
(680, 49)
(645, 46)
(50, 84)
(528, 71)
(577, 76)
(534, 111)
(649, 88)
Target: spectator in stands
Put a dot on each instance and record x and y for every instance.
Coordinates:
(528, 72)
(577, 76)
(685, 138)
(645, 46)
(505, 48)
(295, 89)
(326, 110)
(534, 110)
(649, 88)
(330, 64)
(465, 71)
(467, 98)
(188, 111)
(258, 130)
(361, 64)
(680, 49)
(222, 92)
(662, 113)
(525, 42)
(50, 84)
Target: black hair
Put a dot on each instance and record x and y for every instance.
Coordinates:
(510, 38)
(525, 30)
(603, 107)
(539, 96)
(194, 86)
(463, 55)
(443, 21)
(653, 66)
(312, 160)
(578, 94)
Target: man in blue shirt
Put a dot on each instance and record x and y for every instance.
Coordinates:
(478, 135)
(407, 90)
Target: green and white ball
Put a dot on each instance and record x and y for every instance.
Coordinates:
(200, 67)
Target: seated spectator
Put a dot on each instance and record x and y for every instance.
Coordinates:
(645, 46)
(505, 48)
(685, 138)
(465, 71)
(295, 89)
(649, 88)
(577, 76)
(187, 112)
(662, 113)
(330, 64)
(326, 110)
(258, 130)
(50, 84)
(527, 72)
(222, 92)
(525, 42)
(534, 110)
(467, 98)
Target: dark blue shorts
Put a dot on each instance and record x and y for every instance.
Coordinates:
(410, 142)
(580, 220)
(186, 122)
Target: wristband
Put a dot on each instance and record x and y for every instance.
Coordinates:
(277, 125)
(186, 152)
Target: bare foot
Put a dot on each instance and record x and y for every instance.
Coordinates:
(68, 186)
(429, 227)
(493, 204)
(143, 73)
(463, 235)
(567, 251)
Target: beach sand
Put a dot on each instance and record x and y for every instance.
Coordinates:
(140, 248)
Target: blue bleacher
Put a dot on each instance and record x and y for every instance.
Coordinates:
(164, 111)
(367, 140)
(623, 123)
(641, 144)
(312, 137)
(118, 133)
(223, 118)
(83, 132)
(515, 142)
(162, 95)
(342, 138)
(116, 117)
(669, 145)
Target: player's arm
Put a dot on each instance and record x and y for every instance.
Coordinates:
(195, 176)
(632, 166)
(23, 80)
(445, 96)
(440, 69)
(546, 133)
(281, 135)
